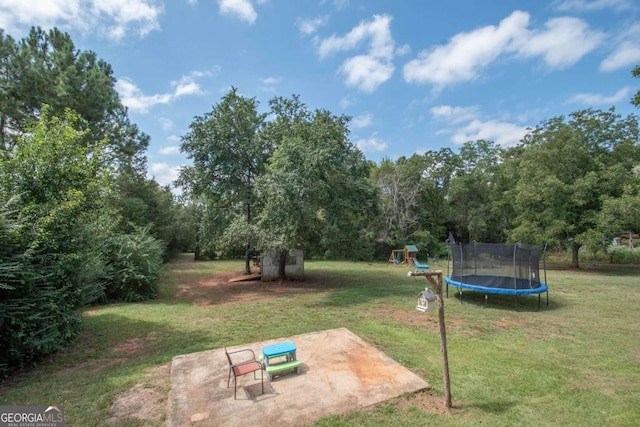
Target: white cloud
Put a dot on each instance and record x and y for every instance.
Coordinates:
(340, 4)
(455, 114)
(133, 97)
(371, 144)
(115, 18)
(165, 123)
(466, 54)
(187, 84)
(241, 9)
(627, 52)
(377, 32)
(172, 149)
(346, 102)
(502, 133)
(405, 49)
(270, 81)
(599, 99)
(164, 173)
(466, 124)
(365, 71)
(592, 5)
(310, 26)
(362, 121)
(561, 43)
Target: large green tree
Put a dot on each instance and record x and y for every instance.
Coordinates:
(228, 153)
(46, 68)
(471, 192)
(565, 171)
(316, 186)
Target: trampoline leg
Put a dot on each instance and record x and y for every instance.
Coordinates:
(547, 298)
(539, 302)
(516, 302)
(486, 297)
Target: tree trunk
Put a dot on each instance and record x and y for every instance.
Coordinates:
(247, 257)
(282, 264)
(575, 248)
(196, 255)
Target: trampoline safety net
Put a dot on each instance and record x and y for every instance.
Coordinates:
(497, 265)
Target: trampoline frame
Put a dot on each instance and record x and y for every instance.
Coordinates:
(459, 282)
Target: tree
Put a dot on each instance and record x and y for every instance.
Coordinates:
(438, 171)
(471, 192)
(622, 213)
(46, 68)
(228, 153)
(54, 220)
(400, 199)
(316, 183)
(636, 98)
(564, 172)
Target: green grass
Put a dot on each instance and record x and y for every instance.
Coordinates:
(575, 362)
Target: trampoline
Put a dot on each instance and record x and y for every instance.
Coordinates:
(494, 268)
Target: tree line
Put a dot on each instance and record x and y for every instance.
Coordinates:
(295, 180)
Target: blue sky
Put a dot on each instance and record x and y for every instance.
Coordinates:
(414, 75)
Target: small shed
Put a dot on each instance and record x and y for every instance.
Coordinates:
(294, 268)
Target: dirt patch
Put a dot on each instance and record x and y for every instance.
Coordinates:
(412, 317)
(143, 402)
(218, 289)
(426, 401)
(130, 346)
(508, 324)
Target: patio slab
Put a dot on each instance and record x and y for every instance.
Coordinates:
(339, 372)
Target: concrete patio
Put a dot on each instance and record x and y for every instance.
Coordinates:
(340, 372)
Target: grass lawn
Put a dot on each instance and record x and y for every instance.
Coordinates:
(575, 362)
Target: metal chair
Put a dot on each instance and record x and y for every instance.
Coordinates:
(243, 367)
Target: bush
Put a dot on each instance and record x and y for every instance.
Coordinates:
(134, 266)
(37, 313)
(623, 255)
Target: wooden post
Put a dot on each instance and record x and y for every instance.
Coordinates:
(435, 279)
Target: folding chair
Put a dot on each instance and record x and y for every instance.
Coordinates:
(243, 367)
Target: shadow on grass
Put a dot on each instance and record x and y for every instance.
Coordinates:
(363, 294)
(116, 340)
(526, 303)
(497, 407)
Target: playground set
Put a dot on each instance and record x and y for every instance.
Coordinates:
(406, 255)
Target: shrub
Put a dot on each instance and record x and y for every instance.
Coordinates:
(623, 255)
(37, 313)
(134, 266)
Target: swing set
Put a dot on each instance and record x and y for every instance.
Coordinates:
(403, 256)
